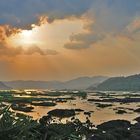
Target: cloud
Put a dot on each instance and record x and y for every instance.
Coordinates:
(35, 49)
(51, 52)
(24, 13)
(6, 50)
(111, 16)
(7, 31)
(87, 37)
(104, 18)
(134, 26)
(83, 40)
(131, 31)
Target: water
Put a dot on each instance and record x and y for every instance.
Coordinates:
(98, 115)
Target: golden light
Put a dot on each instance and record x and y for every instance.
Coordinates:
(26, 36)
(52, 36)
(26, 33)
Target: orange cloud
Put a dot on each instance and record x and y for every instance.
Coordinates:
(7, 31)
(6, 50)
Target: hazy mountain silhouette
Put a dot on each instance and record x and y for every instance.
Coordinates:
(3, 86)
(84, 82)
(129, 83)
(78, 83)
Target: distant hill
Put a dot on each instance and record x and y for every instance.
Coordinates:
(84, 82)
(19, 84)
(4, 87)
(78, 83)
(130, 83)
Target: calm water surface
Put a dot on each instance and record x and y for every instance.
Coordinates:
(98, 115)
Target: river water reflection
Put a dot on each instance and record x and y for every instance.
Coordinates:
(98, 114)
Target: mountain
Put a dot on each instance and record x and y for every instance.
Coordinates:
(130, 83)
(19, 84)
(84, 82)
(4, 87)
(78, 83)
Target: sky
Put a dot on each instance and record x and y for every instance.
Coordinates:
(64, 39)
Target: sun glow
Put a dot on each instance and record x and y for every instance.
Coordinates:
(26, 34)
(50, 36)
(26, 37)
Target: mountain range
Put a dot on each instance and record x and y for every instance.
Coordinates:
(129, 83)
(4, 87)
(78, 83)
(102, 83)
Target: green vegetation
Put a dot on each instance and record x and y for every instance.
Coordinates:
(73, 94)
(11, 96)
(103, 105)
(121, 112)
(88, 113)
(137, 110)
(121, 100)
(62, 113)
(15, 126)
(22, 107)
(12, 99)
(44, 104)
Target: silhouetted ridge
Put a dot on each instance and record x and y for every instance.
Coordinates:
(130, 83)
